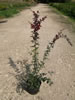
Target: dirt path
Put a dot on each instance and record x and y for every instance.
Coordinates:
(15, 42)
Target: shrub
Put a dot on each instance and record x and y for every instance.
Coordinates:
(30, 76)
(67, 8)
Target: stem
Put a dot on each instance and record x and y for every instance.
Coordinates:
(35, 52)
(51, 45)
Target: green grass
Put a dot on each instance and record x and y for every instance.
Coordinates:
(66, 8)
(9, 9)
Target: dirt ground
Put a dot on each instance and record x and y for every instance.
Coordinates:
(15, 44)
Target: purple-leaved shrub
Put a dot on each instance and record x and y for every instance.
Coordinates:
(36, 26)
(29, 77)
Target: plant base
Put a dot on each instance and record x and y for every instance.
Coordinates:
(32, 85)
(32, 91)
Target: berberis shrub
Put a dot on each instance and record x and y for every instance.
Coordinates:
(29, 77)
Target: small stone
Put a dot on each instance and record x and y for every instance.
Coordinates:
(67, 94)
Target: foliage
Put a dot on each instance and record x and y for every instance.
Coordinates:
(67, 8)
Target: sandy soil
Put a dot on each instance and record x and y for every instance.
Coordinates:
(15, 44)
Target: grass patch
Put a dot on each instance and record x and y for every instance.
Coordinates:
(9, 9)
(66, 8)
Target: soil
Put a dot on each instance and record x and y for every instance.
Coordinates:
(15, 42)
